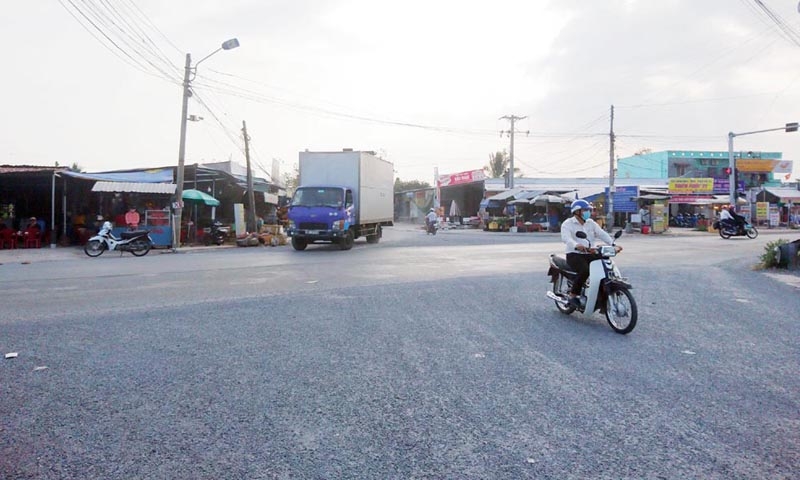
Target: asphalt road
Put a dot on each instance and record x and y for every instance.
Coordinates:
(419, 357)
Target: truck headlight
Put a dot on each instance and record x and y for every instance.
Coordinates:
(291, 225)
(337, 225)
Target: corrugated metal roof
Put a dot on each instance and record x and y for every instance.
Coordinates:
(133, 187)
(784, 193)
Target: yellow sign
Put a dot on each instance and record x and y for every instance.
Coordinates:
(757, 165)
(762, 210)
(691, 185)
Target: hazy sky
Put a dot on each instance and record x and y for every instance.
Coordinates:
(421, 82)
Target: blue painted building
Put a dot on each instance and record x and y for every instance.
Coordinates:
(699, 164)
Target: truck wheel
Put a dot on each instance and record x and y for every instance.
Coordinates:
(299, 244)
(346, 243)
(375, 238)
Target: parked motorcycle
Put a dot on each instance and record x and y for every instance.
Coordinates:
(606, 289)
(216, 234)
(138, 242)
(727, 231)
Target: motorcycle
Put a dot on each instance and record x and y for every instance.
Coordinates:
(216, 234)
(138, 242)
(727, 231)
(606, 289)
(430, 227)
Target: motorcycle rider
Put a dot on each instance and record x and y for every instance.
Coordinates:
(581, 251)
(430, 218)
(738, 220)
(725, 218)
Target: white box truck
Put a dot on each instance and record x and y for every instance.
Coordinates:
(342, 196)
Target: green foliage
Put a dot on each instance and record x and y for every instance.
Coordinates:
(401, 186)
(769, 258)
(498, 162)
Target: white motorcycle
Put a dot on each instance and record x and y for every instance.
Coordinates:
(138, 242)
(606, 289)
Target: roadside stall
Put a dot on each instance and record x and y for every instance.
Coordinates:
(150, 200)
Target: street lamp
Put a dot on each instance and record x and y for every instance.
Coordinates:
(187, 80)
(789, 127)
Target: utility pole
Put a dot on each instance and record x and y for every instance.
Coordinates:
(512, 119)
(176, 228)
(251, 199)
(610, 215)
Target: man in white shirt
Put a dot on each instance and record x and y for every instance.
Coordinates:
(581, 251)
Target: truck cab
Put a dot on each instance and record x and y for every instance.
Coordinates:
(322, 214)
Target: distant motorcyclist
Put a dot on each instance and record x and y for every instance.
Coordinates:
(581, 251)
(738, 220)
(431, 219)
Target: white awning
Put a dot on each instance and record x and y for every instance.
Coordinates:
(134, 187)
(786, 194)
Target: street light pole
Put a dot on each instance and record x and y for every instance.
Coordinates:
(789, 127)
(187, 92)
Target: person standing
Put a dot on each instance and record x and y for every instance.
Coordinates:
(581, 251)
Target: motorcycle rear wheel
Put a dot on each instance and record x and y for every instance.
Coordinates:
(751, 232)
(140, 248)
(724, 234)
(94, 248)
(621, 311)
(561, 287)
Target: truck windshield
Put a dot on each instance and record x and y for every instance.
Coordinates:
(318, 197)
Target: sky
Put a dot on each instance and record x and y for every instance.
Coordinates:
(423, 83)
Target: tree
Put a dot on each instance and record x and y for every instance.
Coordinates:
(74, 168)
(292, 179)
(401, 186)
(498, 165)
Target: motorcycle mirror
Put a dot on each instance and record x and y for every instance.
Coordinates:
(580, 234)
(618, 234)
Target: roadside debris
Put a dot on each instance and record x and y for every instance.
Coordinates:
(12, 355)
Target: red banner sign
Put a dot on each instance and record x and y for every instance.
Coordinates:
(460, 178)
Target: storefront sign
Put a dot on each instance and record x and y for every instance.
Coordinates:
(460, 178)
(723, 185)
(691, 185)
(761, 210)
(689, 198)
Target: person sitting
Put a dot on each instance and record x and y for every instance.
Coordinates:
(738, 220)
(132, 219)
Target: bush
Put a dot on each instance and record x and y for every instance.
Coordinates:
(769, 259)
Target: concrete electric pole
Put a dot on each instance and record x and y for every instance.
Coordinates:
(611, 137)
(251, 199)
(510, 132)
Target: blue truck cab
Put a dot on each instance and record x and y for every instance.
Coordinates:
(321, 214)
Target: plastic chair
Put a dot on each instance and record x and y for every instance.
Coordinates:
(33, 238)
(8, 237)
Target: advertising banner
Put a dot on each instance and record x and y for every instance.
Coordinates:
(448, 180)
(762, 209)
(759, 165)
(691, 185)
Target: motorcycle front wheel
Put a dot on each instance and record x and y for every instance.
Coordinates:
(140, 248)
(94, 248)
(561, 287)
(751, 232)
(724, 234)
(621, 311)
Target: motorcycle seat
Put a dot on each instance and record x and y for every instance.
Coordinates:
(562, 265)
(133, 234)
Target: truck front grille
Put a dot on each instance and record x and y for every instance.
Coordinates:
(313, 226)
